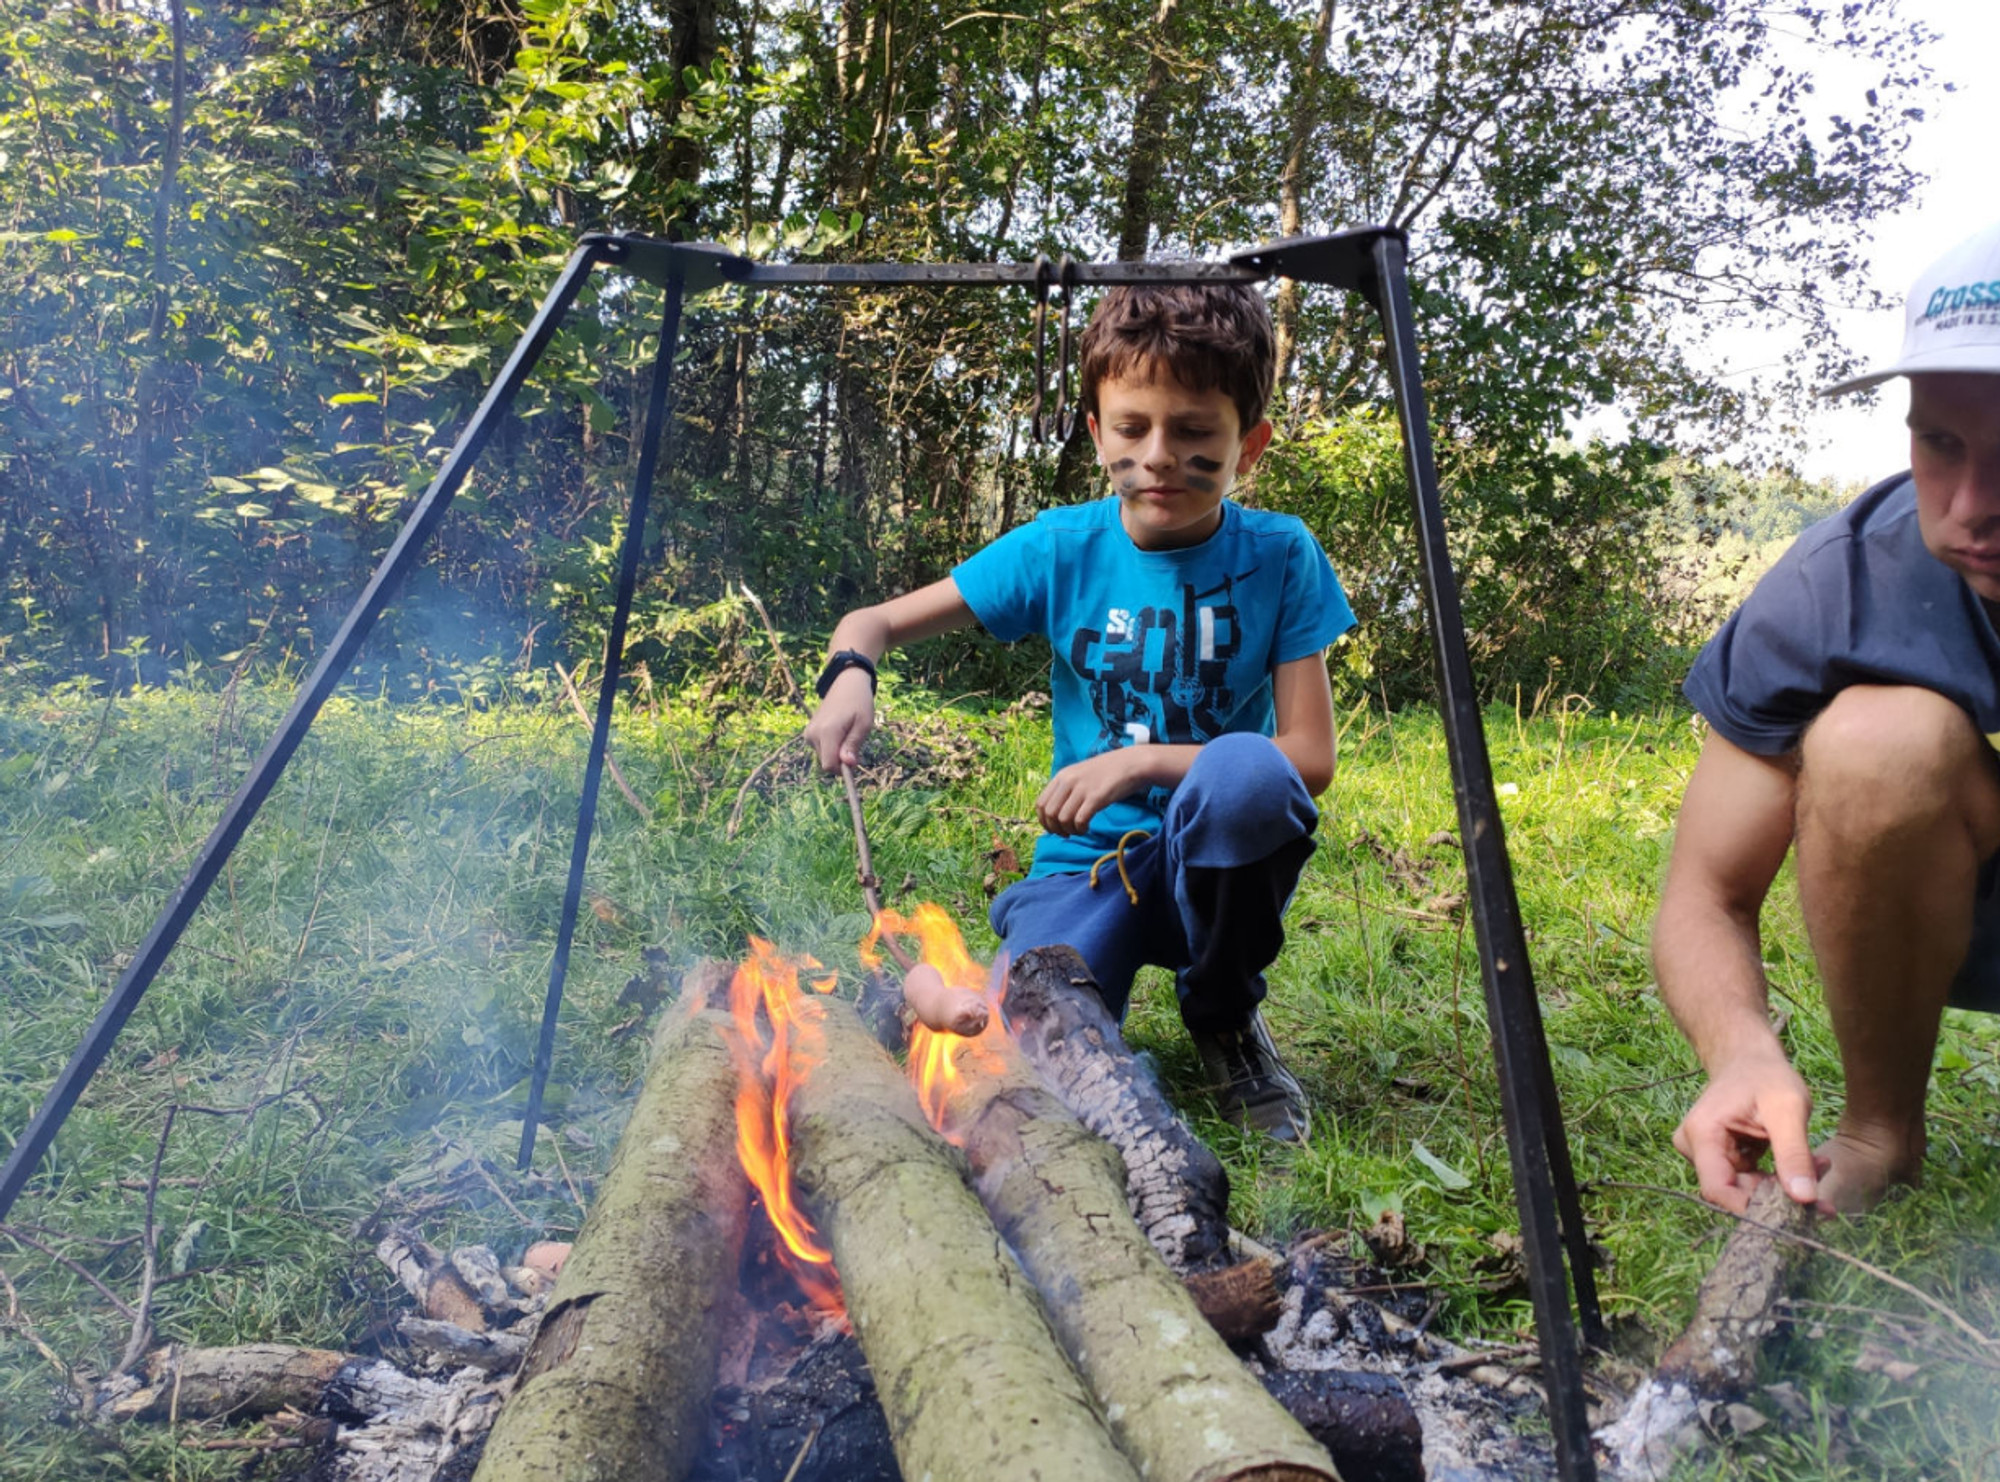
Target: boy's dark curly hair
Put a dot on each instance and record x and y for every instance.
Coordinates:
(1208, 336)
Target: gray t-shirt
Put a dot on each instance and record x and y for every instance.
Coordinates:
(1858, 599)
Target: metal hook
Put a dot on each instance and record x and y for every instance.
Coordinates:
(1065, 417)
(1045, 273)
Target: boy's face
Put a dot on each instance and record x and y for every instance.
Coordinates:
(1955, 461)
(1172, 454)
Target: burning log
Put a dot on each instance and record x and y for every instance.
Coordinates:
(964, 1364)
(1182, 1405)
(617, 1381)
(1715, 1360)
(434, 1280)
(1177, 1189)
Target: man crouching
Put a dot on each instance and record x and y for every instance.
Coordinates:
(1851, 699)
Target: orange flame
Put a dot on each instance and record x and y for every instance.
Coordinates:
(940, 1062)
(769, 1068)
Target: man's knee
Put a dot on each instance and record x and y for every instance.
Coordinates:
(1885, 757)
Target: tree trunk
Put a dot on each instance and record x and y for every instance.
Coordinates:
(1176, 1187)
(1182, 1406)
(1306, 104)
(617, 1382)
(968, 1374)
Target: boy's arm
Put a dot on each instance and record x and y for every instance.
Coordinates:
(1734, 828)
(1303, 700)
(845, 717)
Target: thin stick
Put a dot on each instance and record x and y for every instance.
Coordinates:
(743, 792)
(796, 695)
(1887, 1278)
(21, 1323)
(246, 1443)
(119, 1304)
(142, 1325)
(610, 763)
(811, 1436)
(871, 888)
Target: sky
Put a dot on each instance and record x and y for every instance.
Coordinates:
(1856, 440)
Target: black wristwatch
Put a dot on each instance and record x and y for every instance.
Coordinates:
(838, 664)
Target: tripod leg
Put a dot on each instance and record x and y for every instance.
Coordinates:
(270, 764)
(658, 406)
(1536, 1146)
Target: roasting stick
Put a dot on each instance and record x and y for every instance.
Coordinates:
(937, 1004)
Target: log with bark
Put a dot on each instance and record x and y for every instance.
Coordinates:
(1714, 1361)
(966, 1369)
(1181, 1405)
(617, 1381)
(1177, 1188)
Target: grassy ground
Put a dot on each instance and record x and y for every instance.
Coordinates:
(346, 1028)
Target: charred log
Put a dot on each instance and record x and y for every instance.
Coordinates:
(617, 1381)
(1176, 1188)
(967, 1371)
(1365, 1420)
(1182, 1405)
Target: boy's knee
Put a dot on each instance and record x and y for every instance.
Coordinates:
(1884, 756)
(1240, 800)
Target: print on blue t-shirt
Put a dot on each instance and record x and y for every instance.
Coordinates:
(1172, 646)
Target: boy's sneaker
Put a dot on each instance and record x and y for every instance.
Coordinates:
(1251, 1085)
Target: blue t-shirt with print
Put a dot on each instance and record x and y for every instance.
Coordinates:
(1857, 599)
(1174, 646)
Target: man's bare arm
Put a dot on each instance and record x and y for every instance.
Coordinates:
(1734, 828)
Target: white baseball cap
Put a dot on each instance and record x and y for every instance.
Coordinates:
(1952, 321)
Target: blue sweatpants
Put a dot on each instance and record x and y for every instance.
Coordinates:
(1213, 885)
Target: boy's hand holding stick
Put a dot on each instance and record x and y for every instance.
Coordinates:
(836, 734)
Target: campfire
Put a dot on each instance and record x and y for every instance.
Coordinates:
(1011, 1259)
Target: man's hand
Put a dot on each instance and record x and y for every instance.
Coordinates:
(1075, 794)
(840, 727)
(1753, 1103)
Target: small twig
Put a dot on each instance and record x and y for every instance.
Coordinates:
(794, 693)
(119, 1304)
(1487, 1356)
(499, 1193)
(610, 762)
(805, 1449)
(1665, 1080)
(142, 1325)
(1867, 1267)
(245, 1443)
(20, 1322)
(319, 873)
(743, 792)
(555, 1146)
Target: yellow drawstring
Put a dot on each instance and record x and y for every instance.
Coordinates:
(1118, 854)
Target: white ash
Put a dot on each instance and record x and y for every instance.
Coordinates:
(414, 1425)
(1660, 1423)
(1471, 1427)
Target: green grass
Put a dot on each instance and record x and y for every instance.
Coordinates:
(348, 1024)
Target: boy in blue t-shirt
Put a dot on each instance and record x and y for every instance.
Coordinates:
(1193, 718)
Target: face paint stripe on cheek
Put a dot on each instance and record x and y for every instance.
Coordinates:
(1206, 465)
(1200, 484)
(1125, 465)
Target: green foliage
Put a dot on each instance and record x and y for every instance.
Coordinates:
(256, 278)
(356, 1005)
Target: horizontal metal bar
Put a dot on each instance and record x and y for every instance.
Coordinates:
(1342, 259)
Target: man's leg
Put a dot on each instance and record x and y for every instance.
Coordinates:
(1238, 832)
(1899, 803)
